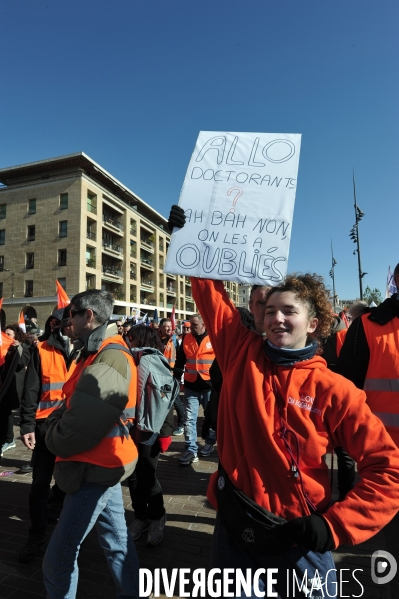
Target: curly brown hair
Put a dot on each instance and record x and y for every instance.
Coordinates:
(311, 291)
(18, 332)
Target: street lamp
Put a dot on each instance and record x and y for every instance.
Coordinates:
(354, 235)
(331, 273)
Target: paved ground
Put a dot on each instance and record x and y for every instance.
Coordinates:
(186, 544)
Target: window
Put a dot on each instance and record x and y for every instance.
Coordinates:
(2, 236)
(91, 202)
(62, 282)
(32, 206)
(90, 282)
(1, 264)
(30, 260)
(1, 289)
(63, 201)
(28, 288)
(90, 257)
(31, 233)
(3, 210)
(62, 257)
(63, 230)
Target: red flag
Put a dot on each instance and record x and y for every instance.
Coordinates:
(172, 318)
(21, 321)
(62, 299)
(5, 342)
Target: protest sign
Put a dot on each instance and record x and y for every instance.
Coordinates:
(238, 197)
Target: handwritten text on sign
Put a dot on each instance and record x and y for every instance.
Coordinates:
(238, 197)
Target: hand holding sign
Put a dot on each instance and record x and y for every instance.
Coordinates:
(238, 198)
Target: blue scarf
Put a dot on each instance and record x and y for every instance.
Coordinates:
(288, 357)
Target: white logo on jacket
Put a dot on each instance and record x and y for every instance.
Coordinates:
(305, 403)
(208, 345)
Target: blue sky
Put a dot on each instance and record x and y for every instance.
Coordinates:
(131, 83)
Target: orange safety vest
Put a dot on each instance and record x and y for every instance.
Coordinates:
(382, 379)
(53, 375)
(199, 358)
(117, 448)
(170, 351)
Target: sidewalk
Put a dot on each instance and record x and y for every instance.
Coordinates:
(186, 544)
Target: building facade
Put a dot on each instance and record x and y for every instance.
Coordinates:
(66, 218)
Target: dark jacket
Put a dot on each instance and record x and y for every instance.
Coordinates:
(354, 358)
(32, 387)
(13, 374)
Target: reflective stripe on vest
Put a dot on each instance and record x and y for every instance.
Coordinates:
(388, 419)
(117, 448)
(45, 405)
(381, 385)
(52, 386)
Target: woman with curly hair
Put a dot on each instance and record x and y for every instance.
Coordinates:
(12, 375)
(280, 411)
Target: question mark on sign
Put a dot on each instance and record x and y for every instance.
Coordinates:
(238, 195)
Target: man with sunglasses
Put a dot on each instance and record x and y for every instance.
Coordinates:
(95, 452)
(42, 394)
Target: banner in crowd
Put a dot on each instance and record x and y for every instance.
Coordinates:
(238, 196)
(390, 287)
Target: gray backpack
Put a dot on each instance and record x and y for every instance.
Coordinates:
(156, 391)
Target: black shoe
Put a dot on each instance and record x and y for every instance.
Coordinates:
(31, 549)
(26, 468)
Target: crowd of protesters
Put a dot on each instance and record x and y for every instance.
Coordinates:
(281, 384)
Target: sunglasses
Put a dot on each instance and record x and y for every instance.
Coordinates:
(73, 313)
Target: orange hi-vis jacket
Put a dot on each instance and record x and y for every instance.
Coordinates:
(53, 375)
(382, 379)
(199, 358)
(170, 351)
(117, 448)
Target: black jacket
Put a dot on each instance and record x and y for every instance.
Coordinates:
(13, 374)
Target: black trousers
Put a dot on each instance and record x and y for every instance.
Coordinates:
(144, 487)
(43, 466)
(179, 411)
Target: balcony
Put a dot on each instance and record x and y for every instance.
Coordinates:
(171, 277)
(147, 262)
(112, 247)
(170, 290)
(147, 243)
(133, 232)
(108, 219)
(147, 283)
(189, 297)
(91, 207)
(91, 235)
(90, 262)
(133, 275)
(30, 238)
(112, 270)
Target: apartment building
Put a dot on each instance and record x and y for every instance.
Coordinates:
(67, 218)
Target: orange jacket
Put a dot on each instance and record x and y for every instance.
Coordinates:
(199, 358)
(382, 378)
(340, 338)
(117, 448)
(53, 375)
(325, 411)
(170, 351)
